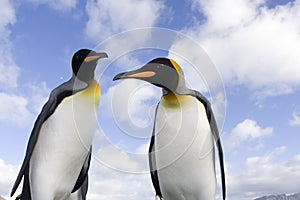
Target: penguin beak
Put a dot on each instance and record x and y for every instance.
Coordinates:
(95, 57)
(138, 74)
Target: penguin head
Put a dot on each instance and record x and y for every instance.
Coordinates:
(84, 63)
(162, 72)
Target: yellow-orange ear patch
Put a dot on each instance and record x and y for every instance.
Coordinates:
(176, 66)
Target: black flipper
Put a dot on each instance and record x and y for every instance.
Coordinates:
(57, 95)
(25, 195)
(215, 132)
(152, 162)
(84, 188)
(82, 181)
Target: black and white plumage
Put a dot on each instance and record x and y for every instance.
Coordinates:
(58, 153)
(181, 152)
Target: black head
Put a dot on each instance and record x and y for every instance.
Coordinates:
(162, 72)
(84, 63)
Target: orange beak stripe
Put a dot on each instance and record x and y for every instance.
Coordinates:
(91, 58)
(142, 74)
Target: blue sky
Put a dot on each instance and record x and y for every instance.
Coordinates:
(253, 45)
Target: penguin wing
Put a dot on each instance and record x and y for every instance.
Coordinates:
(215, 132)
(82, 181)
(152, 161)
(57, 95)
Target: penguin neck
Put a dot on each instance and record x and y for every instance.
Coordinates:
(172, 97)
(77, 79)
(80, 84)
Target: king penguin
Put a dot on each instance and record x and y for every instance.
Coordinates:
(58, 153)
(181, 153)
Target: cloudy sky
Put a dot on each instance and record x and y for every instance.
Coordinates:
(242, 54)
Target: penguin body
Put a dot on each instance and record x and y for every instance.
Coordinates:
(57, 132)
(58, 154)
(184, 150)
(181, 152)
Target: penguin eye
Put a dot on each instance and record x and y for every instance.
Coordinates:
(78, 57)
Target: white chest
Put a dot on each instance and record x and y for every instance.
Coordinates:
(64, 141)
(182, 130)
(70, 128)
(184, 150)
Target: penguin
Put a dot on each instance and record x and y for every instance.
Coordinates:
(181, 153)
(58, 153)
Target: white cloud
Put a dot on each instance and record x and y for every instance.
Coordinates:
(117, 159)
(106, 183)
(247, 130)
(264, 175)
(116, 155)
(59, 5)
(131, 103)
(144, 148)
(9, 71)
(296, 118)
(8, 174)
(21, 109)
(116, 174)
(234, 13)
(37, 94)
(14, 109)
(262, 93)
(110, 17)
(7, 15)
(251, 44)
